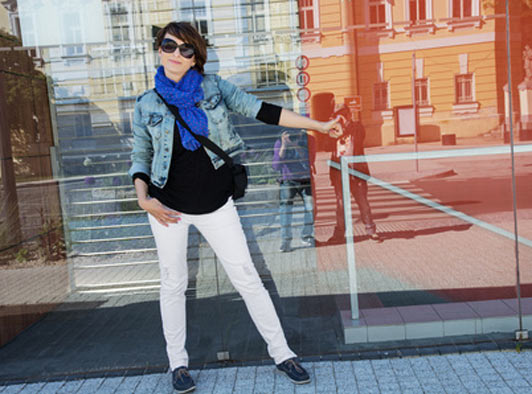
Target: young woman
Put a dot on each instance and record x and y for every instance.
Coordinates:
(179, 183)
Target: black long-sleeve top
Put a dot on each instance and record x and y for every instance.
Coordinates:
(194, 186)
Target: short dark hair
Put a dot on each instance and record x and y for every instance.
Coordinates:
(188, 34)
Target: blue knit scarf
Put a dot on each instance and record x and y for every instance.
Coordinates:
(184, 95)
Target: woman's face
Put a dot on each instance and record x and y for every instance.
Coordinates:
(175, 65)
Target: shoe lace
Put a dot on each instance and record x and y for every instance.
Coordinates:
(182, 372)
(294, 365)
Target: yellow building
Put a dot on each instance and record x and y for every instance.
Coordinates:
(456, 50)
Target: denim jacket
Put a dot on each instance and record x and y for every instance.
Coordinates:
(153, 127)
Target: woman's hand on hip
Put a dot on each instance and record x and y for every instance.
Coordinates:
(162, 214)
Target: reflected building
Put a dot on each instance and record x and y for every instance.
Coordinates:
(98, 56)
(456, 51)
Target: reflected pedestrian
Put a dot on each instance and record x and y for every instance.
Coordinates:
(351, 143)
(181, 183)
(290, 158)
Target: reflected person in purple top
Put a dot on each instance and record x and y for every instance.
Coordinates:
(291, 159)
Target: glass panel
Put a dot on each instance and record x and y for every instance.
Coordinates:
(521, 80)
(33, 259)
(428, 209)
(421, 246)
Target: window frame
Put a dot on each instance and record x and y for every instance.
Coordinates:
(114, 10)
(314, 8)
(377, 4)
(243, 14)
(422, 83)
(475, 20)
(72, 50)
(475, 9)
(428, 12)
(386, 26)
(307, 34)
(419, 25)
(267, 67)
(457, 89)
(378, 100)
(14, 21)
(193, 15)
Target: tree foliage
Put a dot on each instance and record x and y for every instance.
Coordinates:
(24, 89)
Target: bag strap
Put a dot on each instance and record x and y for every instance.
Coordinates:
(202, 139)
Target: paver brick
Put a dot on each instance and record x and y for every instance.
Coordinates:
(225, 380)
(70, 387)
(51, 387)
(206, 380)
(108, 386)
(30, 388)
(148, 383)
(264, 380)
(12, 389)
(128, 385)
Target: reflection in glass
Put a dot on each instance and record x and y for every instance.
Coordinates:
(70, 137)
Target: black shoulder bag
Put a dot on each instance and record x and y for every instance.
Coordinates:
(240, 176)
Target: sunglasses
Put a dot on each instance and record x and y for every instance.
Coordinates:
(169, 46)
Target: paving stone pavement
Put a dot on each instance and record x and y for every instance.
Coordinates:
(497, 372)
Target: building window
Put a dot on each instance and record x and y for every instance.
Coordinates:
(464, 14)
(197, 12)
(380, 95)
(417, 10)
(254, 16)
(309, 20)
(377, 12)
(464, 88)
(422, 92)
(120, 29)
(15, 26)
(74, 125)
(378, 17)
(72, 34)
(202, 27)
(306, 14)
(462, 8)
(119, 23)
(270, 74)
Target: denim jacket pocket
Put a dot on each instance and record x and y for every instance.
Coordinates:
(214, 107)
(153, 123)
(211, 102)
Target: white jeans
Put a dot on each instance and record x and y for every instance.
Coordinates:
(223, 231)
